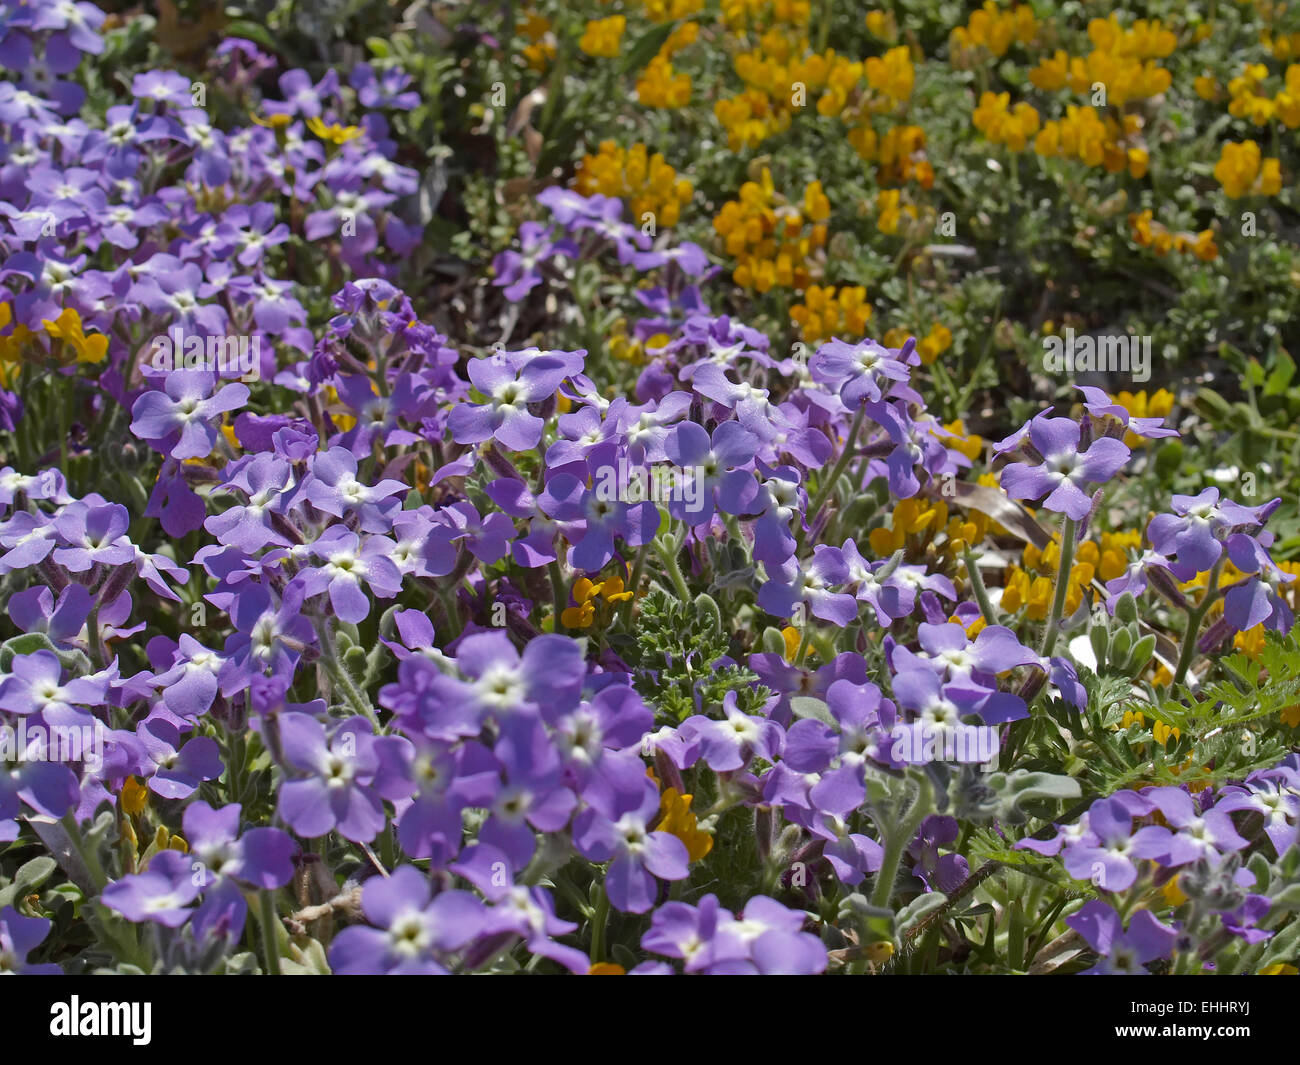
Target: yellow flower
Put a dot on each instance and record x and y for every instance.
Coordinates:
(67, 327)
(792, 639)
(602, 36)
(334, 133)
(606, 968)
(647, 182)
(1279, 968)
(676, 818)
(1173, 894)
(134, 797)
(934, 343)
(970, 445)
(276, 122)
(658, 86)
(1242, 171)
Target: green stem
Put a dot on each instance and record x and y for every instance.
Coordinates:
(977, 586)
(803, 644)
(338, 672)
(598, 921)
(669, 559)
(634, 582)
(1050, 633)
(270, 944)
(89, 858)
(825, 490)
(897, 839)
(559, 594)
(1194, 619)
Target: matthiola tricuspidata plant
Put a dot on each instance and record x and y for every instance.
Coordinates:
(334, 642)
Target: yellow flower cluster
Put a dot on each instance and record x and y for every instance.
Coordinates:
(915, 524)
(540, 50)
(899, 155)
(1124, 76)
(773, 242)
(1031, 585)
(67, 328)
(929, 347)
(660, 86)
(646, 182)
(1242, 171)
(671, 10)
(828, 311)
(1281, 46)
(1003, 124)
(1124, 61)
(585, 596)
(750, 118)
(882, 24)
(683, 36)
(12, 344)
(70, 343)
(676, 818)
(743, 14)
(627, 348)
(603, 36)
(1148, 233)
(1140, 405)
(892, 75)
(1083, 134)
(992, 30)
(1248, 102)
(890, 209)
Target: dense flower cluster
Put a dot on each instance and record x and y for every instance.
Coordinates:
(384, 652)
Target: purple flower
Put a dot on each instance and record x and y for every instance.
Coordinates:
(175, 771)
(181, 421)
(1098, 404)
(1198, 525)
(93, 534)
(733, 743)
(1105, 854)
(714, 468)
(333, 487)
(344, 777)
(349, 567)
(533, 795)
(262, 857)
(301, 97)
(1123, 953)
(860, 373)
(1259, 599)
(618, 832)
(19, 936)
(1192, 835)
(593, 523)
(792, 584)
(693, 934)
(36, 683)
(517, 271)
(1063, 468)
(416, 930)
(510, 382)
(162, 893)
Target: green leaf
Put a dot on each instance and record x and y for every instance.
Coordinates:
(645, 49)
(1281, 376)
(253, 31)
(28, 878)
(807, 706)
